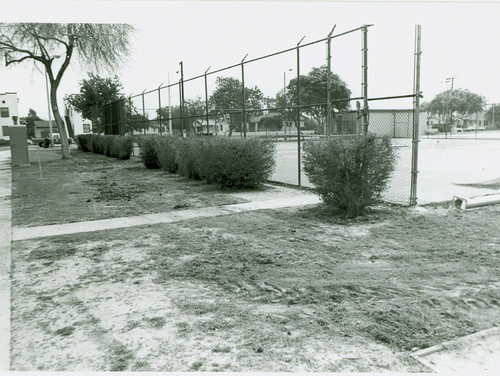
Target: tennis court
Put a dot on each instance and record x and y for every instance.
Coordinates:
(447, 168)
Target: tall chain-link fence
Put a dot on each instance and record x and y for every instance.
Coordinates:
(315, 102)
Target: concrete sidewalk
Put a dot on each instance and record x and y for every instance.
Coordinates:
(271, 202)
(5, 240)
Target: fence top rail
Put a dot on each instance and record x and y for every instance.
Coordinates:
(207, 73)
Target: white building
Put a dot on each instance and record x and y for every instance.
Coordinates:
(9, 113)
(76, 122)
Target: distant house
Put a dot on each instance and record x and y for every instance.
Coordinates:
(9, 113)
(215, 127)
(42, 128)
(76, 123)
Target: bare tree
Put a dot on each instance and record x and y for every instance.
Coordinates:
(96, 46)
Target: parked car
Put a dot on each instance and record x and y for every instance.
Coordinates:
(473, 128)
(457, 129)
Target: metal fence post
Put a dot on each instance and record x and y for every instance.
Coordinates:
(328, 83)
(365, 79)
(298, 110)
(206, 103)
(416, 115)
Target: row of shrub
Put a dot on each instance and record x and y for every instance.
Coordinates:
(348, 172)
(227, 162)
(119, 147)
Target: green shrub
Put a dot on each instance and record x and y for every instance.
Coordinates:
(235, 163)
(189, 152)
(82, 141)
(167, 153)
(349, 173)
(149, 147)
(121, 147)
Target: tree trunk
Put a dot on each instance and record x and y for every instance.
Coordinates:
(59, 121)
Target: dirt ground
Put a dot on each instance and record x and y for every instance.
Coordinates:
(91, 186)
(298, 289)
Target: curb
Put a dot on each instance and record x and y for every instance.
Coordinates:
(5, 240)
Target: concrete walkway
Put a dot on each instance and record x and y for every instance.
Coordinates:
(5, 239)
(278, 201)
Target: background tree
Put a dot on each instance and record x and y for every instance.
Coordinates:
(94, 93)
(54, 45)
(313, 93)
(493, 115)
(227, 101)
(271, 123)
(456, 104)
(30, 122)
(194, 110)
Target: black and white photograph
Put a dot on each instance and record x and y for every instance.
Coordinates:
(250, 186)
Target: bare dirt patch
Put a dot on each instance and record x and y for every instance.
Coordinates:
(90, 186)
(279, 290)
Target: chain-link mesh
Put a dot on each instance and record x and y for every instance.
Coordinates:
(303, 111)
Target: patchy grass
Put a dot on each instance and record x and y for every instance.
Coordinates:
(90, 186)
(278, 290)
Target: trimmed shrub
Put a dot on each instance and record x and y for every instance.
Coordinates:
(82, 141)
(235, 163)
(350, 173)
(149, 147)
(167, 153)
(189, 152)
(121, 147)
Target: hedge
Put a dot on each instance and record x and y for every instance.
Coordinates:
(119, 147)
(349, 173)
(223, 161)
(235, 163)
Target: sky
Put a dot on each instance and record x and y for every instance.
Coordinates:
(459, 39)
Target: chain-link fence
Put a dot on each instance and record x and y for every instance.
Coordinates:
(313, 103)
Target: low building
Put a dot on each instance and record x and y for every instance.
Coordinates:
(75, 123)
(42, 129)
(9, 113)
(395, 123)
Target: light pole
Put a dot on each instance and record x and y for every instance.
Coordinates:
(284, 90)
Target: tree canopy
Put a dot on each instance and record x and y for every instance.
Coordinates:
(94, 93)
(194, 109)
(227, 100)
(313, 94)
(30, 122)
(53, 46)
(458, 102)
(493, 115)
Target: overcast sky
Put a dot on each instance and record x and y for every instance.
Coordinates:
(458, 40)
